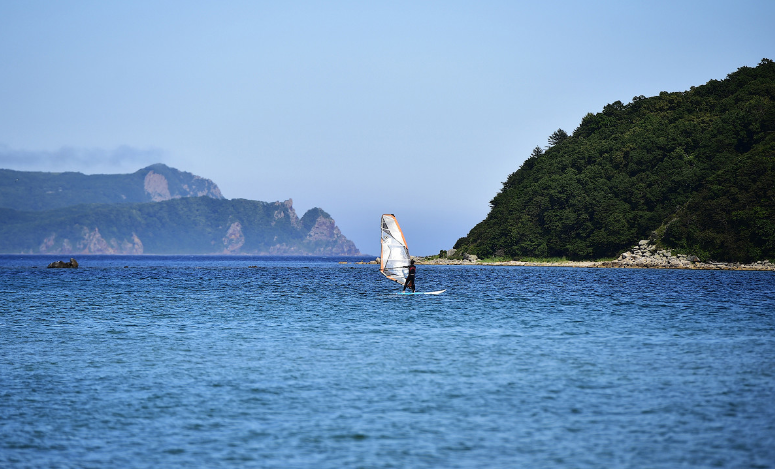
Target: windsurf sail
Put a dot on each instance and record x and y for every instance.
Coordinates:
(394, 257)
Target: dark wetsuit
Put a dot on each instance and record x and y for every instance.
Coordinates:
(410, 279)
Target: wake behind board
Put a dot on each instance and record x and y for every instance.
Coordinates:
(439, 292)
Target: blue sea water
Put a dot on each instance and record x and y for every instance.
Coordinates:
(153, 362)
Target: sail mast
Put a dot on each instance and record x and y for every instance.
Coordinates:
(394, 254)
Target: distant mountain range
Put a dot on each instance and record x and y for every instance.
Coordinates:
(25, 190)
(156, 210)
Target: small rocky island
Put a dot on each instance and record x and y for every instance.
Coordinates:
(73, 264)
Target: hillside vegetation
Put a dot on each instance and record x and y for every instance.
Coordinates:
(693, 171)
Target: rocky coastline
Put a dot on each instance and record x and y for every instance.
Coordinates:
(643, 256)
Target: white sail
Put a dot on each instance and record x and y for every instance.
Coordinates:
(394, 257)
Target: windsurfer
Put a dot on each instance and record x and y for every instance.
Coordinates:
(410, 279)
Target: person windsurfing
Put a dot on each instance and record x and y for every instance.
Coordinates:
(410, 279)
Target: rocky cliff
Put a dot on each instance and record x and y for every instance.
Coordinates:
(191, 225)
(322, 236)
(164, 183)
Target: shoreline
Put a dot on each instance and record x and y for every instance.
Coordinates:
(644, 255)
(761, 266)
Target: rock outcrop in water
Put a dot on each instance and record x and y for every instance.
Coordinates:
(73, 264)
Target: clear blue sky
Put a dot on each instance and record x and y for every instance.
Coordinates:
(415, 108)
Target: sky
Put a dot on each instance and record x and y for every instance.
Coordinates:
(416, 108)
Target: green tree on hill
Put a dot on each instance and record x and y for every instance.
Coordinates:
(557, 136)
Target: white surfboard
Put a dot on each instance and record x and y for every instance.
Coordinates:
(439, 292)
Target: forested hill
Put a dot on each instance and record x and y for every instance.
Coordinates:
(692, 170)
(28, 190)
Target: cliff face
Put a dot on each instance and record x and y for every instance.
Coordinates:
(323, 238)
(156, 186)
(91, 242)
(164, 183)
(325, 230)
(200, 225)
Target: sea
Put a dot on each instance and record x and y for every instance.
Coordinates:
(282, 362)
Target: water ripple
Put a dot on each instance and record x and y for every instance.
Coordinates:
(205, 362)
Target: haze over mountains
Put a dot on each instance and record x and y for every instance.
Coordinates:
(156, 210)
